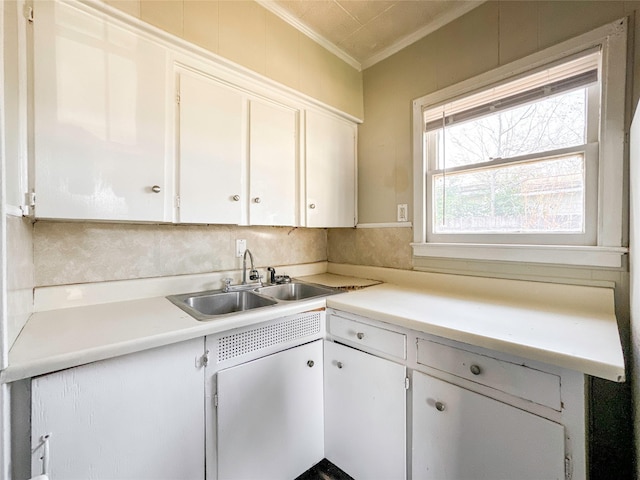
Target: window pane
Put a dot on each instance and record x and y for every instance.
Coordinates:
(544, 196)
(553, 123)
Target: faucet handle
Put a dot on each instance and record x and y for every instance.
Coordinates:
(227, 283)
(272, 274)
(253, 275)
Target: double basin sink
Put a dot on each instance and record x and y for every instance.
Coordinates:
(210, 304)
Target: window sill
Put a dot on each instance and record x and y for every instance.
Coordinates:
(610, 257)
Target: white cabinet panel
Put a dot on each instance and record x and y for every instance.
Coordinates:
(135, 417)
(330, 171)
(100, 111)
(369, 336)
(515, 379)
(365, 414)
(270, 417)
(460, 435)
(211, 151)
(273, 146)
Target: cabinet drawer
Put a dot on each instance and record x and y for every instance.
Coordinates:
(386, 341)
(518, 380)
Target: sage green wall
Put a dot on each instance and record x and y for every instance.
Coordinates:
(489, 36)
(248, 34)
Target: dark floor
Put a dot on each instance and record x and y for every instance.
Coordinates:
(324, 470)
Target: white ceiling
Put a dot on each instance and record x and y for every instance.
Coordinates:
(363, 32)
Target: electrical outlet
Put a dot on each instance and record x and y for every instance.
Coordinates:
(402, 212)
(241, 246)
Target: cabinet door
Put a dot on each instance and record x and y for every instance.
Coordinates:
(365, 413)
(273, 147)
(135, 417)
(100, 111)
(211, 151)
(330, 171)
(270, 418)
(458, 435)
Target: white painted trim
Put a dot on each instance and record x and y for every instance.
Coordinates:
(13, 210)
(611, 38)
(404, 42)
(610, 257)
(385, 225)
(295, 22)
(5, 408)
(5, 431)
(4, 327)
(79, 295)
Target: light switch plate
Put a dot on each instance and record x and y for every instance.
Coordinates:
(402, 212)
(241, 246)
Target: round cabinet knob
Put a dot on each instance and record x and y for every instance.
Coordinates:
(475, 369)
(339, 364)
(310, 363)
(312, 206)
(360, 335)
(256, 200)
(236, 198)
(156, 189)
(440, 406)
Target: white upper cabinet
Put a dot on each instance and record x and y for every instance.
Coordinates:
(130, 125)
(211, 151)
(273, 152)
(237, 155)
(100, 103)
(330, 171)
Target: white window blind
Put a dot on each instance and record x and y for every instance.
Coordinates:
(576, 73)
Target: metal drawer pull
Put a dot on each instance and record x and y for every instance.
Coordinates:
(310, 363)
(360, 335)
(440, 406)
(312, 206)
(339, 364)
(475, 369)
(155, 189)
(236, 198)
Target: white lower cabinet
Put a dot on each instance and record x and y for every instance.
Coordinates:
(365, 413)
(135, 417)
(270, 415)
(276, 398)
(459, 434)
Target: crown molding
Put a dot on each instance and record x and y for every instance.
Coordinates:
(439, 22)
(312, 34)
(295, 22)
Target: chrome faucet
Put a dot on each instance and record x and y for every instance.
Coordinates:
(253, 274)
(277, 279)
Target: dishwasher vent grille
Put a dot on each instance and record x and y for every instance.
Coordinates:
(231, 346)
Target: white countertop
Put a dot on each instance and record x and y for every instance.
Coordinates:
(58, 339)
(577, 331)
(584, 339)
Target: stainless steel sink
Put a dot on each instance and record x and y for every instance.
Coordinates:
(295, 291)
(207, 305)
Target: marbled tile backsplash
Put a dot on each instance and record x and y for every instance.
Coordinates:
(69, 252)
(378, 247)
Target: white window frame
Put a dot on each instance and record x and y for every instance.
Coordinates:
(608, 249)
